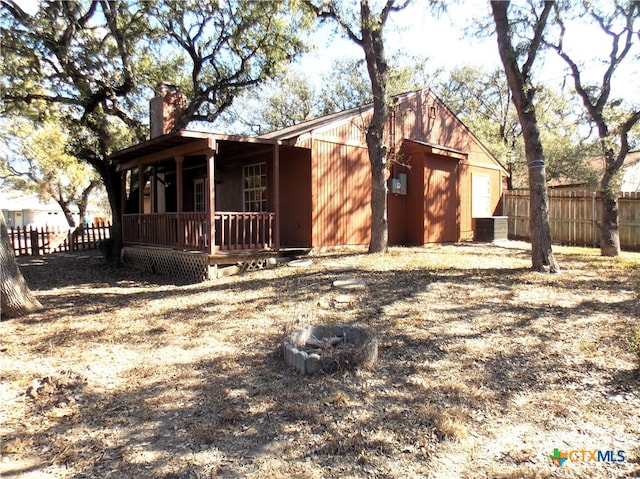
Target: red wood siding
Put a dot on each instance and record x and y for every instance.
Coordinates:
(431, 206)
(295, 197)
(341, 194)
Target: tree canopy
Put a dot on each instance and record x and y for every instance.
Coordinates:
(612, 117)
(482, 100)
(35, 159)
(96, 62)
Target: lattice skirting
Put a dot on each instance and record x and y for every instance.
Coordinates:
(191, 267)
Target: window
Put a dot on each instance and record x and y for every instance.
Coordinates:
(198, 195)
(254, 187)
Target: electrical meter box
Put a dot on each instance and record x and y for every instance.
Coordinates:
(398, 185)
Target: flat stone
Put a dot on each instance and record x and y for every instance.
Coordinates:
(349, 283)
(314, 364)
(300, 263)
(301, 362)
(345, 299)
(338, 268)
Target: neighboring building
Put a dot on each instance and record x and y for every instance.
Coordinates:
(28, 210)
(307, 186)
(630, 181)
(631, 173)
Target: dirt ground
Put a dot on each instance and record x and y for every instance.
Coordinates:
(484, 368)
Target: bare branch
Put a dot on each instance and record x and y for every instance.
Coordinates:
(534, 46)
(326, 11)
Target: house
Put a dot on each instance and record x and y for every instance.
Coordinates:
(306, 186)
(629, 181)
(631, 173)
(28, 210)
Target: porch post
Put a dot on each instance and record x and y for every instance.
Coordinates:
(154, 189)
(210, 197)
(276, 196)
(140, 189)
(179, 200)
(123, 203)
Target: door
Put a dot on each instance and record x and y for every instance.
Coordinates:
(441, 202)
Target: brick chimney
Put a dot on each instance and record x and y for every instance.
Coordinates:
(165, 109)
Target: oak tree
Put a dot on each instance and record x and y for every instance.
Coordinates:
(613, 118)
(98, 61)
(16, 299)
(366, 29)
(520, 81)
(35, 159)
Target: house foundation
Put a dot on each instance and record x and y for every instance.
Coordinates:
(188, 266)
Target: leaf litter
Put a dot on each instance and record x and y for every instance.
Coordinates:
(484, 368)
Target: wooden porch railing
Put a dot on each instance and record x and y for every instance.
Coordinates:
(173, 230)
(234, 231)
(244, 231)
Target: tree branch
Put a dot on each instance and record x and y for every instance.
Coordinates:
(534, 46)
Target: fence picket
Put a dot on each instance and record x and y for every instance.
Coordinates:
(575, 217)
(30, 241)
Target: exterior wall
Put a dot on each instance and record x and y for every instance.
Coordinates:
(439, 203)
(295, 198)
(423, 117)
(631, 177)
(341, 194)
(22, 218)
(432, 205)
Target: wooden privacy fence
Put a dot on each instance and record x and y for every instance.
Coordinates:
(575, 217)
(45, 240)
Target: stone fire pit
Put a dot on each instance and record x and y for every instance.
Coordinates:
(328, 348)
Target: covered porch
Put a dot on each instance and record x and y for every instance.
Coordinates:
(202, 192)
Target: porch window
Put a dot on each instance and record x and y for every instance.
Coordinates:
(254, 187)
(198, 195)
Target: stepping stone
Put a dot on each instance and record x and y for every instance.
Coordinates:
(345, 299)
(300, 263)
(349, 283)
(338, 268)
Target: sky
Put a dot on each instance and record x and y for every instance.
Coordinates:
(417, 32)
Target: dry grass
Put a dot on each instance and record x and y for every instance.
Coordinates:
(485, 367)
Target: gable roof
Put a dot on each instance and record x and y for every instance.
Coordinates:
(293, 131)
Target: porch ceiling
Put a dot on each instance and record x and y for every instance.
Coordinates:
(186, 142)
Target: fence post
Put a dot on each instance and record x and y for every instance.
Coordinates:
(593, 220)
(35, 242)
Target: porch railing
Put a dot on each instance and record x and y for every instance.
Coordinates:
(244, 231)
(234, 231)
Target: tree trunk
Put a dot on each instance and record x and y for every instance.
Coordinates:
(609, 229)
(522, 96)
(15, 297)
(83, 203)
(379, 225)
(113, 185)
(64, 205)
(373, 46)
